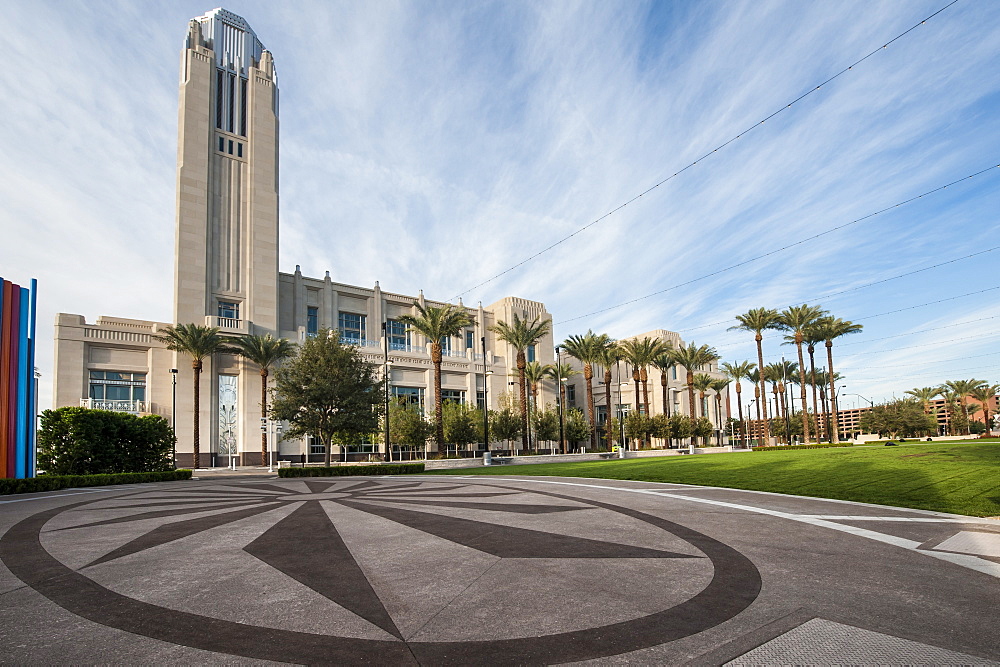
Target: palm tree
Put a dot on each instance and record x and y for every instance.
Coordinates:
(534, 373)
(198, 342)
(718, 386)
(587, 349)
(641, 353)
(756, 376)
(984, 394)
(265, 351)
(962, 388)
(925, 395)
(797, 320)
(522, 334)
(608, 358)
(759, 320)
(775, 373)
(693, 357)
(436, 322)
(812, 338)
(559, 373)
(831, 328)
(737, 372)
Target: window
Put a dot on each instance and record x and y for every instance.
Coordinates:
(602, 414)
(623, 410)
(222, 145)
(399, 335)
(409, 395)
(232, 95)
(531, 353)
(239, 149)
(243, 111)
(452, 396)
(673, 372)
(230, 146)
(352, 327)
(116, 386)
(218, 100)
(470, 341)
(229, 310)
(312, 320)
(571, 394)
(315, 447)
(481, 400)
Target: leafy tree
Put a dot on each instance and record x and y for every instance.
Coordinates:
(197, 342)
(546, 424)
(925, 396)
(759, 320)
(613, 429)
(79, 441)
(265, 351)
(436, 323)
(718, 386)
(692, 358)
(638, 426)
(408, 427)
(681, 426)
(505, 424)
(462, 425)
(984, 394)
(559, 373)
(959, 389)
(522, 334)
(900, 418)
(327, 389)
(702, 427)
(576, 425)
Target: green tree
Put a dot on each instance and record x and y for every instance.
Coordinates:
(984, 394)
(436, 323)
(960, 390)
(197, 342)
(718, 386)
(681, 426)
(692, 358)
(79, 441)
(900, 418)
(546, 424)
(589, 350)
(759, 320)
(797, 320)
(522, 334)
(327, 389)
(638, 426)
(460, 425)
(265, 351)
(830, 328)
(560, 373)
(408, 426)
(702, 427)
(505, 424)
(925, 396)
(534, 373)
(641, 353)
(576, 425)
(609, 357)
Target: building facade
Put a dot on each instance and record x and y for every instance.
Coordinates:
(226, 276)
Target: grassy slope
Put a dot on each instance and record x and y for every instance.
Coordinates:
(961, 477)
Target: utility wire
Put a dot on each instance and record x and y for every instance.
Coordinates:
(706, 155)
(783, 248)
(859, 287)
(939, 361)
(910, 333)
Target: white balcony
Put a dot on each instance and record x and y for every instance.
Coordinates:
(228, 324)
(133, 407)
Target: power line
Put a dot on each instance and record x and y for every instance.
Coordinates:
(783, 248)
(706, 155)
(940, 361)
(913, 347)
(859, 287)
(910, 333)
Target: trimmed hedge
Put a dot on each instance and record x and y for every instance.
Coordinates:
(338, 471)
(56, 482)
(777, 448)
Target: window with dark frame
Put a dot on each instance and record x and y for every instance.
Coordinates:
(352, 327)
(312, 320)
(229, 310)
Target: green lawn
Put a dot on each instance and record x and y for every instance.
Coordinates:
(959, 477)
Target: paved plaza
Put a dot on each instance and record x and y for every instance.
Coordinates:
(488, 570)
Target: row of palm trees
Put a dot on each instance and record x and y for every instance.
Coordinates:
(954, 393)
(803, 325)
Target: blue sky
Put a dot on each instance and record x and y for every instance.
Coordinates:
(476, 134)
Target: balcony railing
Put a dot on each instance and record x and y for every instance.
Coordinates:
(228, 324)
(134, 407)
(454, 353)
(360, 342)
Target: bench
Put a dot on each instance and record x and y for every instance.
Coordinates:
(608, 455)
(500, 460)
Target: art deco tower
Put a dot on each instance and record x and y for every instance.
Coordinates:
(226, 271)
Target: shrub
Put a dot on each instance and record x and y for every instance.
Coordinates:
(340, 471)
(785, 447)
(56, 482)
(79, 441)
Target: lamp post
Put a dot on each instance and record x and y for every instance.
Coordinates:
(559, 400)
(746, 430)
(486, 398)
(385, 370)
(173, 411)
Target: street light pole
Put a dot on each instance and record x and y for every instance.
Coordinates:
(173, 411)
(385, 370)
(486, 398)
(562, 443)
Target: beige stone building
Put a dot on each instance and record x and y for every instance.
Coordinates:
(226, 275)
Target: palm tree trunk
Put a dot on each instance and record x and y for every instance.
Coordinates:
(763, 389)
(691, 406)
(196, 366)
(438, 417)
(756, 391)
(588, 376)
(521, 364)
(812, 381)
(263, 413)
(739, 406)
(666, 405)
(644, 376)
(607, 406)
(835, 426)
(802, 390)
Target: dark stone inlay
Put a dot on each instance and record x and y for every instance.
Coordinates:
(507, 541)
(168, 503)
(175, 531)
(387, 496)
(271, 488)
(322, 563)
(491, 507)
(160, 513)
(735, 585)
(318, 487)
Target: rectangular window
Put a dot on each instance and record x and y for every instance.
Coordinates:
(239, 149)
(222, 145)
(481, 400)
(229, 310)
(601, 415)
(673, 372)
(446, 345)
(351, 327)
(315, 447)
(243, 108)
(531, 353)
(218, 100)
(571, 394)
(230, 146)
(399, 335)
(409, 395)
(452, 396)
(470, 341)
(312, 320)
(117, 391)
(232, 99)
